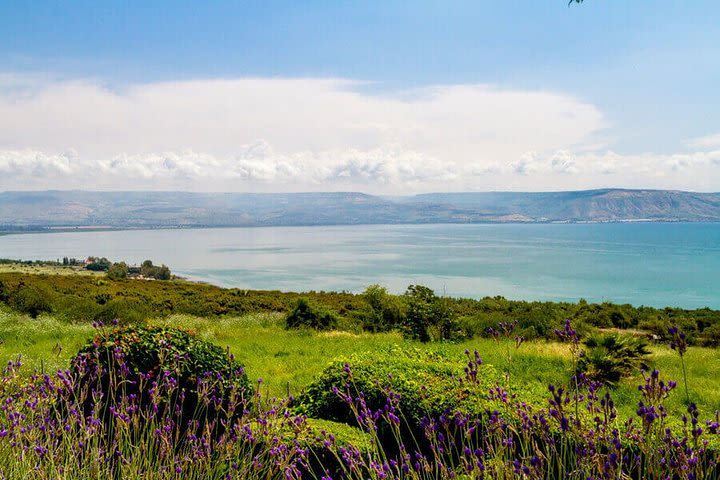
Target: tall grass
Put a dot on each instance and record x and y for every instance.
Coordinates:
(55, 426)
(288, 360)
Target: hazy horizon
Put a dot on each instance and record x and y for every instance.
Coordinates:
(639, 189)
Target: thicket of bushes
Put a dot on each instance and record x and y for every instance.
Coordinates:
(419, 313)
(86, 298)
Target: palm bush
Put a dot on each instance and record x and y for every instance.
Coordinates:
(609, 357)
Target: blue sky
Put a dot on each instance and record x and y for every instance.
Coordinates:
(405, 96)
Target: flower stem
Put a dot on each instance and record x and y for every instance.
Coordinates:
(687, 394)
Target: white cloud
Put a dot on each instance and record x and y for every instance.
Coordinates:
(563, 161)
(259, 134)
(708, 141)
(387, 169)
(458, 122)
(34, 163)
(186, 164)
(527, 163)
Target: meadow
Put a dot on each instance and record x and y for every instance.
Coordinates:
(290, 364)
(288, 360)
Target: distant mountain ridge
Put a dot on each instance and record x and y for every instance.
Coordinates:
(55, 209)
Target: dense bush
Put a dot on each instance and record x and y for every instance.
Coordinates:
(132, 363)
(118, 271)
(27, 299)
(323, 439)
(73, 297)
(424, 384)
(711, 336)
(148, 270)
(131, 311)
(310, 316)
(657, 326)
(98, 264)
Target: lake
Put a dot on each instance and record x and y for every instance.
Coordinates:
(655, 264)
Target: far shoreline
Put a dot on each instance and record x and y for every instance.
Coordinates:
(91, 228)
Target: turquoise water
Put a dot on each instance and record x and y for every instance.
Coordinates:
(650, 264)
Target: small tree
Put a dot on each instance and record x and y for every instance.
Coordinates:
(163, 273)
(385, 311)
(98, 264)
(147, 269)
(420, 302)
(429, 316)
(118, 271)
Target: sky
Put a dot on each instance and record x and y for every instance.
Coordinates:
(385, 97)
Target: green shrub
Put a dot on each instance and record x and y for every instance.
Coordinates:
(658, 325)
(323, 439)
(129, 311)
(478, 325)
(541, 317)
(710, 337)
(136, 360)
(429, 317)
(118, 271)
(429, 385)
(30, 300)
(307, 315)
(98, 264)
(382, 312)
(148, 270)
(609, 357)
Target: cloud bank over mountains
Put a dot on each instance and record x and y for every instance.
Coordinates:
(315, 134)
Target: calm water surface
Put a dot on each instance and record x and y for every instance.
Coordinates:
(650, 264)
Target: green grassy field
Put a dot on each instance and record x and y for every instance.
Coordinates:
(45, 270)
(286, 361)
